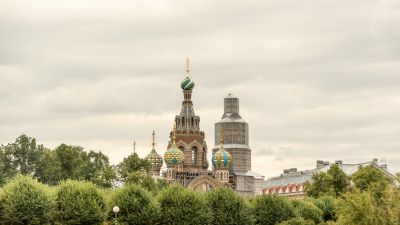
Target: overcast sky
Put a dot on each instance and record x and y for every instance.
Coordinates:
(315, 79)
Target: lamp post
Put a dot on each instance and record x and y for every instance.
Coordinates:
(116, 210)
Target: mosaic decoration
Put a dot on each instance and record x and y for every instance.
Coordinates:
(154, 159)
(174, 156)
(222, 158)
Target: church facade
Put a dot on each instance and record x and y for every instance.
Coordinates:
(186, 155)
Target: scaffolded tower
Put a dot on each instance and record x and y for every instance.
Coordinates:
(236, 136)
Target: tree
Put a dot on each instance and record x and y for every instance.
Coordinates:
(272, 209)
(307, 210)
(340, 180)
(97, 168)
(322, 185)
(137, 206)
(25, 201)
(132, 164)
(327, 204)
(333, 183)
(365, 176)
(376, 205)
(183, 206)
(21, 156)
(142, 179)
(228, 207)
(79, 202)
(297, 221)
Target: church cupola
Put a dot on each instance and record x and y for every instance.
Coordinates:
(221, 160)
(154, 159)
(174, 156)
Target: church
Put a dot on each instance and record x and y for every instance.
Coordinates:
(186, 155)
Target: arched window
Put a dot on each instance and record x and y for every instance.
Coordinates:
(192, 123)
(194, 152)
(183, 121)
(181, 148)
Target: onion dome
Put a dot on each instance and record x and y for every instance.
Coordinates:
(222, 158)
(187, 84)
(154, 158)
(174, 156)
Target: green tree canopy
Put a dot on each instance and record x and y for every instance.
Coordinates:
(228, 207)
(365, 176)
(333, 183)
(130, 164)
(183, 206)
(79, 202)
(272, 209)
(136, 204)
(25, 201)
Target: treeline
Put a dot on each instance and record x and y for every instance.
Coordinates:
(50, 166)
(24, 200)
(67, 185)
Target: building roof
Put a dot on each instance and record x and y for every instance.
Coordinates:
(249, 174)
(231, 120)
(228, 146)
(230, 95)
(300, 177)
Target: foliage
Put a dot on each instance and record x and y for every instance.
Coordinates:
(297, 221)
(145, 180)
(333, 183)
(307, 210)
(272, 209)
(326, 204)
(136, 204)
(25, 201)
(228, 207)
(162, 183)
(79, 202)
(368, 175)
(377, 205)
(20, 157)
(183, 206)
(132, 164)
(340, 180)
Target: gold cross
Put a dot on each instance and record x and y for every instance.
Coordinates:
(187, 67)
(222, 135)
(174, 135)
(134, 146)
(153, 139)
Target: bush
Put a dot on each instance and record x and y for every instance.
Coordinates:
(136, 205)
(79, 202)
(24, 200)
(297, 221)
(307, 210)
(329, 207)
(183, 206)
(228, 207)
(272, 209)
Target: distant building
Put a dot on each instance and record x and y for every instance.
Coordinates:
(291, 182)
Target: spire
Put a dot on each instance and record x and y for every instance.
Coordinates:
(222, 135)
(174, 138)
(153, 139)
(187, 67)
(134, 147)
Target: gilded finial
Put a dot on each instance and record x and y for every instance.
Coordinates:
(134, 147)
(153, 139)
(187, 67)
(174, 135)
(222, 135)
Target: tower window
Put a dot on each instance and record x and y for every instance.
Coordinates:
(194, 152)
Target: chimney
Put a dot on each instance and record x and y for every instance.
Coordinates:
(326, 163)
(375, 160)
(339, 163)
(320, 164)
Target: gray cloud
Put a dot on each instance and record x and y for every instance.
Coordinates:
(316, 80)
